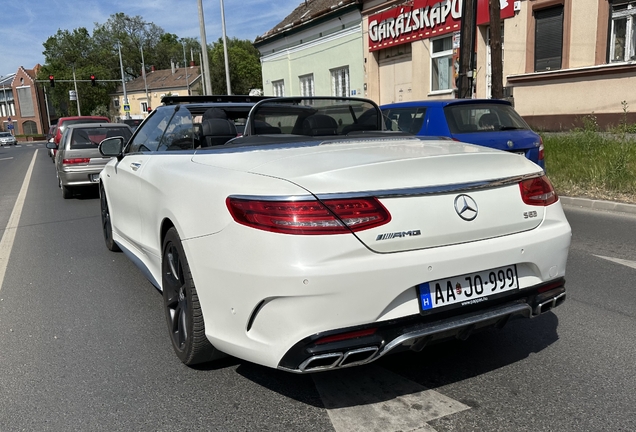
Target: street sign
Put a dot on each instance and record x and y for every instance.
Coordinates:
(72, 95)
(8, 119)
(126, 107)
(10, 126)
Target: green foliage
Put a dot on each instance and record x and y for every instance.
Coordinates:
(244, 66)
(594, 164)
(98, 54)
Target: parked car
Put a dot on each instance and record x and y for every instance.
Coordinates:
(6, 138)
(50, 137)
(78, 161)
(319, 240)
(63, 122)
(488, 122)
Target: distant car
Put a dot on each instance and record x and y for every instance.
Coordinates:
(7, 139)
(78, 161)
(319, 240)
(133, 123)
(63, 122)
(488, 122)
(50, 137)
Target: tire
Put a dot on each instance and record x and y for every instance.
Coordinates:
(181, 305)
(66, 191)
(107, 228)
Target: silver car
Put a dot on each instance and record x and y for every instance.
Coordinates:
(7, 139)
(77, 161)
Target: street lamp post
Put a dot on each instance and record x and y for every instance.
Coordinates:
(204, 49)
(227, 65)
(123, 82)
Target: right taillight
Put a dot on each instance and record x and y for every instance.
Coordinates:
(538, 191)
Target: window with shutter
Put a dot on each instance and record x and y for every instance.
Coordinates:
(548, 42)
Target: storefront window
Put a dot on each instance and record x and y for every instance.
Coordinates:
(623, 43)
(441, 64)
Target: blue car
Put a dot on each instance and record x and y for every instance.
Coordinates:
(488, 122)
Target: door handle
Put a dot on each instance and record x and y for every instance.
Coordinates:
(135, 166)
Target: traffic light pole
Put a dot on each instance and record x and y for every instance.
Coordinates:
(79, 113)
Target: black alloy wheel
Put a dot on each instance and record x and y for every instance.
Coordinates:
(181, 305)
(107, 228)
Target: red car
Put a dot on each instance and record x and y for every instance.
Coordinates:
(62, 122)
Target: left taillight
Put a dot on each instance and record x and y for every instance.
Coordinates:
(75, 161)
(313, 217)
(538, 191)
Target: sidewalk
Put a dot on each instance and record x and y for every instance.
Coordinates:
(599, 204)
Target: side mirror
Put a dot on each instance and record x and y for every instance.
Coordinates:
(112, 147)
(51, 144)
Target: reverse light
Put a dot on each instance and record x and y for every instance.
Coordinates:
(538, 191)
(75, 161)
(338, 216)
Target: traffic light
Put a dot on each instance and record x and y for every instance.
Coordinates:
(93, 83)
(149, 109)
(52, 80)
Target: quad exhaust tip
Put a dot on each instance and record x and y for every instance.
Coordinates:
(549, 304)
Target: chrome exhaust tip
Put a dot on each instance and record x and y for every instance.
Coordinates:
(549, 304)
(358, 356)
(320, 362)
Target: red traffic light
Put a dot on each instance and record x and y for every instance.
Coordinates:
(52, 80)
(149, 109)
(93, 80)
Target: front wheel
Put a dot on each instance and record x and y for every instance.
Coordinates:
(181, 305)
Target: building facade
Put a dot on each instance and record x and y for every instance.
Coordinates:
(144, 95)
(315, 51)
(23, 103)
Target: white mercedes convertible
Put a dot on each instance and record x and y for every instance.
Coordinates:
(298, 234)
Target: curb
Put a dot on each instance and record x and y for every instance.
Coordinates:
(599, 204)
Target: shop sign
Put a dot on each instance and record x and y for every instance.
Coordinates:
(423, 19)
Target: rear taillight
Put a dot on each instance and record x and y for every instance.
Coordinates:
(541, 148)
(538, 191)
(75, 161)
(338, 216)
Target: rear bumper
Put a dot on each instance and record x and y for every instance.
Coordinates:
(415, 332)
(80, 176)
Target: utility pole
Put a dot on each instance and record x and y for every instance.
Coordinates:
(227, 66)
(204, 49)
(123, 81)
(496, 62)
(467, 49)
(79, 113)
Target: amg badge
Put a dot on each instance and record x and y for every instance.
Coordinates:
(392, 235)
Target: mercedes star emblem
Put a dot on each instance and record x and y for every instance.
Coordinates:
(466, 207)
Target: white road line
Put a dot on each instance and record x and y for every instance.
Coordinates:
(6, 158)
(627, 263)
(6, 243)
(371, 398)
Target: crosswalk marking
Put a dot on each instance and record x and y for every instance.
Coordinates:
(627, 263)
(371, 398)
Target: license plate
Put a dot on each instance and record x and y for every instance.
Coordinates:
(94, 178)
(467, 289)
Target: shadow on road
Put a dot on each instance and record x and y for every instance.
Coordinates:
(436, 366)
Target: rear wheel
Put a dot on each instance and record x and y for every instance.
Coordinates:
(107, 228)
(181, 305)
(66, 191)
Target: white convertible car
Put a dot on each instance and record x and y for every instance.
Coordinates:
(316, 240)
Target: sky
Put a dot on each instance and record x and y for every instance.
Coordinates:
(26, 25)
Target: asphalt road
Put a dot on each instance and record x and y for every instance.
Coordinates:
(84, 346)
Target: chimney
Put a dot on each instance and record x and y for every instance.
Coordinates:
(152, 68)
(172, 66)
(192, 63)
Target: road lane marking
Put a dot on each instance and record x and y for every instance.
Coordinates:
(627, 263)
(371, 398)
(6, 243)
(6, 158)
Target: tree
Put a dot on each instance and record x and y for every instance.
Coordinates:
(244, 64)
